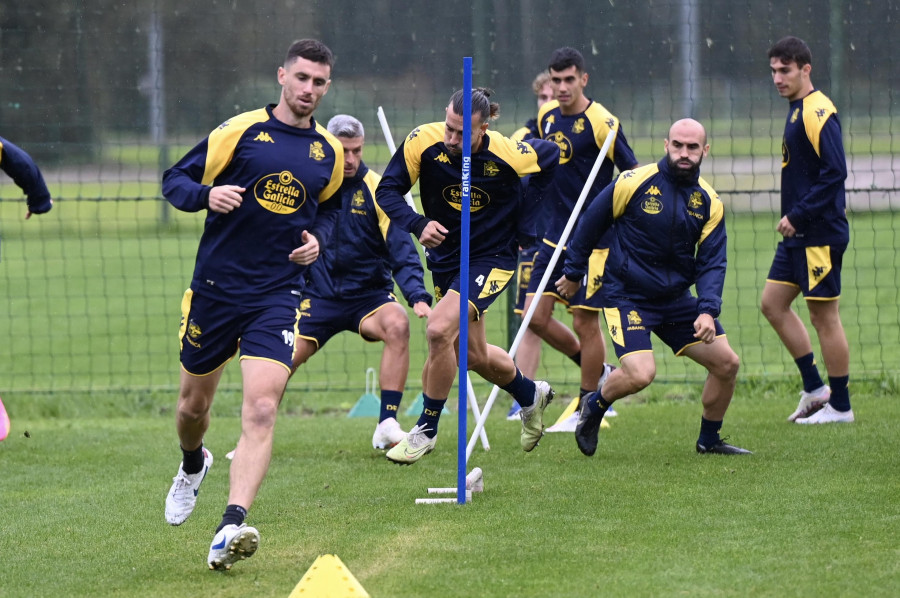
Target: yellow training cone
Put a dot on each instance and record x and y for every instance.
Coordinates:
(328, 577)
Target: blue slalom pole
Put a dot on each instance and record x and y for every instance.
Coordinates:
(465, 202)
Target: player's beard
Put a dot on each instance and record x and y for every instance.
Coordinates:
(684, 175)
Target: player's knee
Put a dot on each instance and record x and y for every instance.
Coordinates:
(727, 367)
(260, 412)
(437, 333)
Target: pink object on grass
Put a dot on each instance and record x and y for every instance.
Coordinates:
(4, 422)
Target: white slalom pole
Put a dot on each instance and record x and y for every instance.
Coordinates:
(389, 137)
(393, 148)
(474, 402)
(543, 284)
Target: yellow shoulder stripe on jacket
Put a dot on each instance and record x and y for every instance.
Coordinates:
(221, 142)
(419, 140)
(337, 171)
(518, 154)
(371, 181)
(603, 123)
(817, 108)
(716, 210)
(626, 185)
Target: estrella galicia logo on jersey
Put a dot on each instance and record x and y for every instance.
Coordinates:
(263, 136)
(316, 152)
(696, 200)
(650, 204)
(478, 198)
(491, 168)
(785, 154)
(442, 157)
(565, 146)
(578, 126)
(280, 193)
(795, 115)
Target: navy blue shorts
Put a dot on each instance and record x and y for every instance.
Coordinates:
(485, 285)
(588, 295)
(630, 324)
(321, 319)
(212, 331)
(816, 270)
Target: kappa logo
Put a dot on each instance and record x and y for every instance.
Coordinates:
(795, 115)
(821, 112)
(491, 168)
(610, 122)
(316, 152)
(523, 148)
(442, 157)
(263, 136)
(413, 134)
(817, 272)
(654, 190)
(578, 126)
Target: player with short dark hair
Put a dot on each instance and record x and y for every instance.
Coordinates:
(350, 287)
(669, 236)
(269, 181)
(815, 233)
(579, 126)
(432, 154)
(528, 356)
(20, 167)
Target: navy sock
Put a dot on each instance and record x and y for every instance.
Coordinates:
(576, 357)
(595, 402)
(809, 372)
(390, 404)
(192, 461)
(431, 413)
(521, 388)
(709, 432)
(840, 392)
(582, 392)
(234, 514)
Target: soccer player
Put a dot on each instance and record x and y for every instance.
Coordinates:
(528, 356)
(816, 233)
(269, 181)
(432, 154)
(15, 162)
(670, 236)
(350, 286)
(579, 126)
